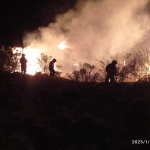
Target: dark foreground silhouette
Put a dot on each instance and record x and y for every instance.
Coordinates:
(23, 62)
(51, 67)
(111, 71)
(54, 113)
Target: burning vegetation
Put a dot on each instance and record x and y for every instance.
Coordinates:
(39, 111)
(132, 67)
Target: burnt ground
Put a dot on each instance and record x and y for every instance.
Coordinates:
(43, 113)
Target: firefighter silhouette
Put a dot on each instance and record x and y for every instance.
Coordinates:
(111, 71)
(23, 62)
(51, 67)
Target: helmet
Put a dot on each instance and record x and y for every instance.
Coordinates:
(54, 60)
(114, 62)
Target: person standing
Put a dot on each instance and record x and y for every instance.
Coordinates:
(23, 62)
(111, 71)
(51, 67)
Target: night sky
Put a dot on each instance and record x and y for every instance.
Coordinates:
(18, 17)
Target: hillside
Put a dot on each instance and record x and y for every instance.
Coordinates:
(43, 113)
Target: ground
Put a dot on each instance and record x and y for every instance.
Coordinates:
(43, 112)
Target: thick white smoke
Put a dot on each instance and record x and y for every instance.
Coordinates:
(93, 29)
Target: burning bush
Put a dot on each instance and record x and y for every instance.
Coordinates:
(43, 61)
(130, 68)
(134, 67)
(83, 71)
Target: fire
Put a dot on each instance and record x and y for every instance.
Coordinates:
(62, 45)
(17, 50)
(76, 64)
(31, 55)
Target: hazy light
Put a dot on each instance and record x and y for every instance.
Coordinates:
(94, 29)
(76, 64)
(62, 45)
(31, 55)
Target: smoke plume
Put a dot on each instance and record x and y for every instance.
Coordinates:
(92, 29)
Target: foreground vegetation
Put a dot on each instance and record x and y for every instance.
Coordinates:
(42, 113)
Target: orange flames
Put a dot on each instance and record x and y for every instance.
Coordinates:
(62, 45)
(31, 55)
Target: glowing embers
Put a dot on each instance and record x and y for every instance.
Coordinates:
(62, 45)
(17, 50)
(31, 55)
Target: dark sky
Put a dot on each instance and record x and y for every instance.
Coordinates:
(18, 16)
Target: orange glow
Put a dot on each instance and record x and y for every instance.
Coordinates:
(17, 50)
(62, 45)
(31, 55)
(76, 64)
(148, 68)
(124, 63)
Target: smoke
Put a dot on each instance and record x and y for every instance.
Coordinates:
(93, 29)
